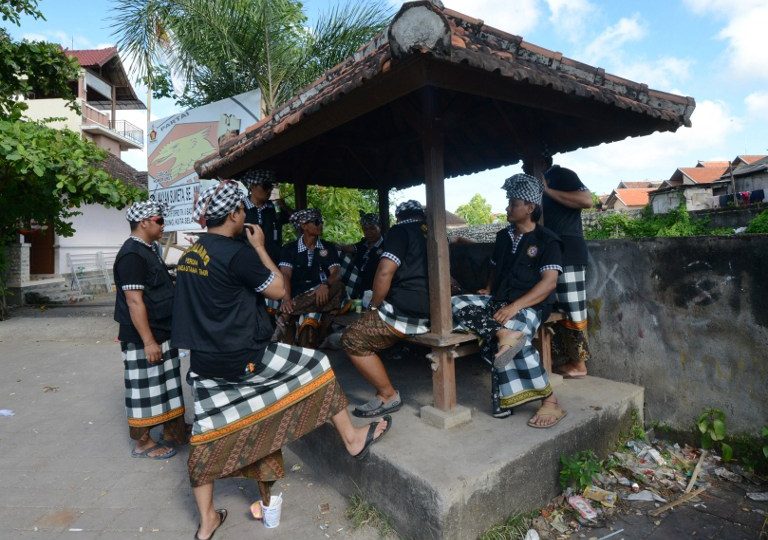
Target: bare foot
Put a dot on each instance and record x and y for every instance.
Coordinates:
(576, 369)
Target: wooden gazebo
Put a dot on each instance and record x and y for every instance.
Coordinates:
(440, 94)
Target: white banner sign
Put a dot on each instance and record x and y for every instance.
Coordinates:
(176, 142)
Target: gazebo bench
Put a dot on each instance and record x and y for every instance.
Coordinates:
(446, 348)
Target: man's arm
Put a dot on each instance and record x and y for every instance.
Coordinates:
(140, 320)
(581, 199)
(287, 304)
(382, 281)
(538, 293)
(276, 289)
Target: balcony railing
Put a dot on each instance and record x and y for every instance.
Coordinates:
(128, 130)
(121, 127)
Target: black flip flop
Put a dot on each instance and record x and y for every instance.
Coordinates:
(369, 440)
(222, 517)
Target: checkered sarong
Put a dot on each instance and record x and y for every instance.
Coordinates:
(152, 392)
(288, 375)
(572, 295)
(349, 273)
(522, 380)
(410, 326)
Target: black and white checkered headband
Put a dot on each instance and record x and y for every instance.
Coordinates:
(408, 206)
(524, 187)
(300, 217)
(217, 201)
(141, 210)
(369, 220)
(257, 177)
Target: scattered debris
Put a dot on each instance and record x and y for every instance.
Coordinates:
(724, 473)
(696, 472)
(758, 496)
(604, 497)
(583, 507)
(684, 498)
(7, 412)
(532, 535)
(296, 468)
(324, 508)
(646, 496)
(50, 388)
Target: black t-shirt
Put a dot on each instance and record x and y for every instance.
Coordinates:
(133, 270)
(271, 222)
(566, 222)
(409, 292)
(366, 260)
(247, 267)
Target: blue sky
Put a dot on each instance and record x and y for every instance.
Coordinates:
(713, 50)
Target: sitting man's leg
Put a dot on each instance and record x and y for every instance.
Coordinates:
(362, 341)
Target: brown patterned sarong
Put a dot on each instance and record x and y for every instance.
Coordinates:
(369, 335)
(254, 450)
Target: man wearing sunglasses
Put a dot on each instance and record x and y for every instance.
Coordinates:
(143, 307)
(313, 290)
(261, 211)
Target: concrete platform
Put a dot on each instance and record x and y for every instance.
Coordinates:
(456, 483)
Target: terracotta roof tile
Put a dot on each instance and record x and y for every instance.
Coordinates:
(703, 175)
(713, 164)
(633, 196)
(645, 184)
(119, 169)
(92, 57)
(750, 159)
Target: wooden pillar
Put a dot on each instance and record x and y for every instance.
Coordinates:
(383, 196)
(300, 189)
(441, 319)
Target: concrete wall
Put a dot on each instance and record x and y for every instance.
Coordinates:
(686, 318)
(97, 229)
(54, 107)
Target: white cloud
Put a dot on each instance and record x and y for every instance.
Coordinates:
(34, 37)
(518, 17)
(744, 31)
(608, 44)
(662, 73)
(656, 156)
(757, 105)
(569, 18)
(65, 39)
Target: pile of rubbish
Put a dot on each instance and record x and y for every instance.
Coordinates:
(644, 478)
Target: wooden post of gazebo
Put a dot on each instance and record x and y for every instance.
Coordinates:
(445, 413)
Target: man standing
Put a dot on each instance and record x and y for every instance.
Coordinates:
(143, 307)
(313, 288)
(251, 396)
(360, 260)
(565, 196)
(261, 211)
(399, 307)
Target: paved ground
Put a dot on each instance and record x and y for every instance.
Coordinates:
(65, 466)
(66, 472)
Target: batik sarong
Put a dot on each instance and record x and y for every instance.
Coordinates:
(309, 323)
(153, 393)
(524, 379)
(240, 426)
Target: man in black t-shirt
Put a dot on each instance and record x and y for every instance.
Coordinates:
(359, 261)
(261, 211)
(251, 396)
(313, 287)
(399, 307)
(143, 307)
(565, 196)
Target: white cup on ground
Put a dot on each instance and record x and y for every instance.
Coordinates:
(272, 511)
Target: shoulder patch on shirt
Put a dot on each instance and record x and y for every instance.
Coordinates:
(532, 251)
(323, 252)
(379, 252)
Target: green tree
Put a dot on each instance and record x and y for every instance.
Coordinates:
(477, 211)
(227, 47)
(45, 174)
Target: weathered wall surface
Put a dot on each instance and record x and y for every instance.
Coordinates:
(686, 318)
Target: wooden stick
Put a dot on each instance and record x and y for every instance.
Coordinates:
(682, 499)
(696, 471)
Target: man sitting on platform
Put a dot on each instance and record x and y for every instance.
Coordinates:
(399, 306)
(359, 261)
(313, 288)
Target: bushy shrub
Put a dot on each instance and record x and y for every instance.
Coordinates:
(759, 224)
